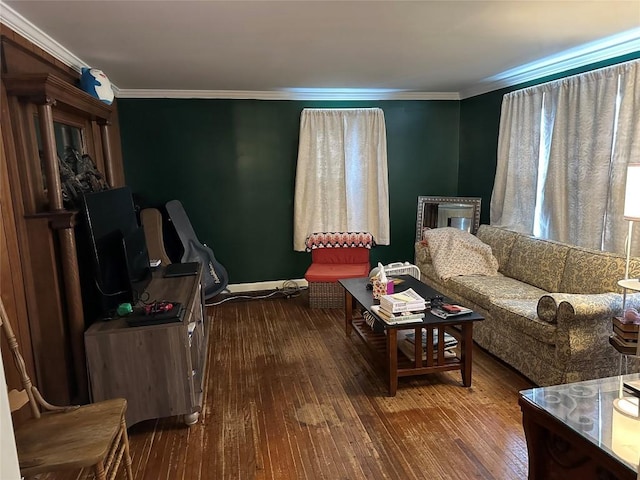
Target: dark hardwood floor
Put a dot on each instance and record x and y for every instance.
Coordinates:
(289, 396)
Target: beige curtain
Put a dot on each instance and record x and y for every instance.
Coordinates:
(577, 187)
(341, 175)
(514, 193)
(626, 150)
(562, 154)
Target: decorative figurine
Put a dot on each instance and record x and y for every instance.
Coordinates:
(96, 84)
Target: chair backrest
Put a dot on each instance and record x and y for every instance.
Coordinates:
(151, 220)
(29, 394)
(340, 255)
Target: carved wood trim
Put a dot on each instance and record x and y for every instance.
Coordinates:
(58, 220)
(22, 56)
(48, 91)
(38, 87)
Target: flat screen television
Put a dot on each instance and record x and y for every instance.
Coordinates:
(114, 238)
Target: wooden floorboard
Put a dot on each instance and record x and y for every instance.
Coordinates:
(289, 396)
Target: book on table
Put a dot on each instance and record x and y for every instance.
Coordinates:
(633, 387)
(376, 325)
(405, 301)
(397, 318)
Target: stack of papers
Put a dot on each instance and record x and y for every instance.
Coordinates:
(397, 318)
(405, 301)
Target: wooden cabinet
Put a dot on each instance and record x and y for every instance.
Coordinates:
(159, 369)
(43, 113)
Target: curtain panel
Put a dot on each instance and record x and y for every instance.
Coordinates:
(563, 148)
(514, 193)
(341, 176)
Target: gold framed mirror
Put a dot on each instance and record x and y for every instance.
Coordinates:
(457, 212)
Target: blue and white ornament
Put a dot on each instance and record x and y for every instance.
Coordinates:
(96, 84)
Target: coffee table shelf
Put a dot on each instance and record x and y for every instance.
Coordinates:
(377, 343)
(384, 345)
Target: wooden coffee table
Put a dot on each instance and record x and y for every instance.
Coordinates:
(384, 345)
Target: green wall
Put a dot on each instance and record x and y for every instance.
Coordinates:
(232, 164)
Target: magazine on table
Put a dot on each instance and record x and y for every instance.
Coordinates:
(374, 323)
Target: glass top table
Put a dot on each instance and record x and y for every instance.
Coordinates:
(597, 418)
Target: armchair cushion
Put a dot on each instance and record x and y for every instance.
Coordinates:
(332, 272)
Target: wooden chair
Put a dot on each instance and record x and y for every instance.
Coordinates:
(61, 438)
(151, 220)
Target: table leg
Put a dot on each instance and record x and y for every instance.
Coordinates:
(534, 435)
(417, 347)
(392, 364)
(467, 351)
(348, 312)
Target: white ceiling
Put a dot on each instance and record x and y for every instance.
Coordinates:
(449, 48)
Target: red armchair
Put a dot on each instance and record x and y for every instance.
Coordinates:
(335, 255)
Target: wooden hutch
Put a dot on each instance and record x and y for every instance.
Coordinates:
(39, 274)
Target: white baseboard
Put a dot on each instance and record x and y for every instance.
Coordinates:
(263, 286)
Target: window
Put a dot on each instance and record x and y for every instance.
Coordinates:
(563, 149)
(341, 177)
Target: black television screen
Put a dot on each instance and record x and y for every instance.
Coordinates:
(110, 216)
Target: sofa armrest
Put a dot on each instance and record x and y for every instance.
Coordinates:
(584, 322)
(578, 305)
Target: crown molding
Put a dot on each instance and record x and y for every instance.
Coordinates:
(287, 95)
(615, 46)
(23, 27)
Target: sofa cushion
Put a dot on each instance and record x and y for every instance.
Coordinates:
(594, 271)
(501, 242)
(483, 290)
(537, 262)
(520, 315)
(332, 272)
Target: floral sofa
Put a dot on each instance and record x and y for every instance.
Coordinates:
(548, 310)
